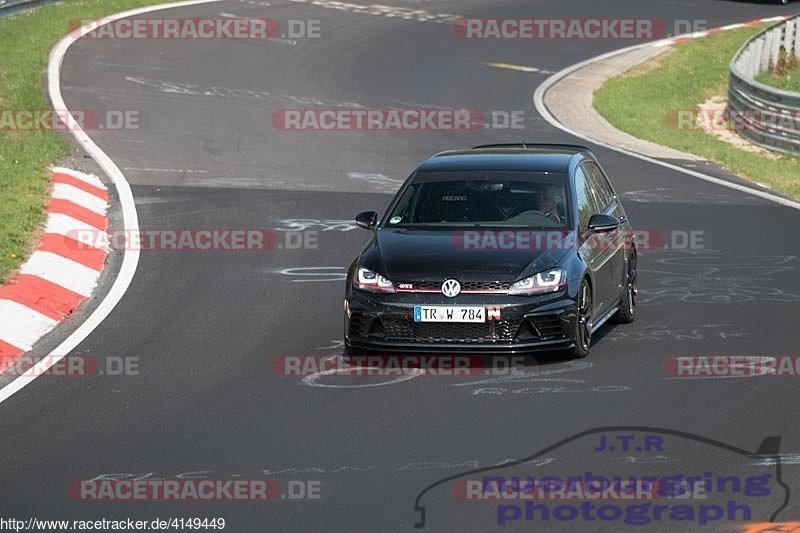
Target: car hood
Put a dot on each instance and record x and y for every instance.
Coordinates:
(426, 255)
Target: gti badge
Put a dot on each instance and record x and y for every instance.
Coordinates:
(451, 288)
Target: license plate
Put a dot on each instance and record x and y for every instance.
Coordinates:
(442, 313)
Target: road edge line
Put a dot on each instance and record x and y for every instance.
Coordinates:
(541, 108)
(130, 260)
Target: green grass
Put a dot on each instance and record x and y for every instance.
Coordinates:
(638, 101)
(789, 82)
(25, 41)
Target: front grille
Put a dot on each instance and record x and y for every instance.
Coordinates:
(488, 286)
(407, 331)
(547, 327)
(362, 325)
(358, 325)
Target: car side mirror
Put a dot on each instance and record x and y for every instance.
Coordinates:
(367, 219)
(600, 223)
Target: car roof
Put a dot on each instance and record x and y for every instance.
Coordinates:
(509, 157)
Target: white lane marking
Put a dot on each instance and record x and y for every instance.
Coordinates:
(538, 102)
(374, 177)
(91, 179)
(184, 89)
(419, 15)
(302, 224)
(131, 66)
(336, 344)
(732, 26)
(73, 228)
(534, 375)
(321, 469)
(164, 87)
(312, 380)
(170, 170)
(62, 271)
(312, 274)
(378, 181)
(500, 391)
(549, 389)
(282, 40)
(519, 68)
(786, 459)
(130, 218)
(21, 326)
(62, 191)
(656, 459)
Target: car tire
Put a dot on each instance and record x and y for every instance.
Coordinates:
(582, 335)
(627, 306)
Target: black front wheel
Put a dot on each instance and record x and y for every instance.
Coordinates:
(627, 307)
(583, 322)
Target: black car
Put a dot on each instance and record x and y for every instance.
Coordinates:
(499, 249)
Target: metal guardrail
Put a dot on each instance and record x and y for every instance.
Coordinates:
(12, 7)
(768, 116)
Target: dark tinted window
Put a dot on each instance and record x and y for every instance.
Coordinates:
(600, 185)
(507, 199)
(586, 203)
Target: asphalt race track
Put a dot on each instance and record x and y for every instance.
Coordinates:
(206, 326)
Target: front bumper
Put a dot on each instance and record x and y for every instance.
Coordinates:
(385, 323)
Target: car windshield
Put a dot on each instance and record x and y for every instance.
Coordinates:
(496, 199)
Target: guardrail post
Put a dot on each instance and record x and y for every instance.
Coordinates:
(760, 58)
(788, 36)
(797, 38)
(766, 45)
(755, 60)
(775, 48)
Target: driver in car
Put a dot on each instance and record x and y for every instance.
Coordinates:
(547, 202)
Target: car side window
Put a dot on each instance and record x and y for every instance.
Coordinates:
(600, 185)
(584, 197)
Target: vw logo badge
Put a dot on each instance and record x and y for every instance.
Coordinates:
(451, 288)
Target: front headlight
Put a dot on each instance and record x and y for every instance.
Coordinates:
(541, 283)
(371, 281)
